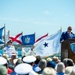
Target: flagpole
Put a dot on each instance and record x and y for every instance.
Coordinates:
(35, 41)
(4, 35)
(33, 44)
(34, 34)
(21, 41)
(8, 34)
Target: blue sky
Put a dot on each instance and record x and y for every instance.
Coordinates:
(39, 16)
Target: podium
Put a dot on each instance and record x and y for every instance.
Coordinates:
(68, 49)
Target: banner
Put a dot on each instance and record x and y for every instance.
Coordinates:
(28, 39)
(48, 46)
(1, 30)
(1, 37)
(17, 38)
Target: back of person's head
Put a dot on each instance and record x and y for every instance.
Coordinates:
(68, 70)
(3, 70)
(29, 59)
(22, 58)
(38, 58)
(65, 61)
(73, 71)
(18, 61)
(3, 61)
(70, 62)
(51, 64)
(49, 59)
(5, 56)
(60, 67)
(42, 64)
(56, 59)
(13, 55)
(23, 69)
(48, 71)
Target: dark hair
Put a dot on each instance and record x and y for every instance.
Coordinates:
(10, 41)
(38, 58)
(70, 62)
(69, 28)
(18, 62)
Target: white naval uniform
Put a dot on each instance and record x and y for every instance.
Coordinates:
(9, 50)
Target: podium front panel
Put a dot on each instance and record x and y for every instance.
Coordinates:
(68, 51)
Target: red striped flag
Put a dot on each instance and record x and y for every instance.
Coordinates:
(41, 37)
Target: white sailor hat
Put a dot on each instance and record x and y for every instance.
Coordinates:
(23, 68)
(73, 71)
(48, 71)
(29, 59)
(68, 70)
(2, 61)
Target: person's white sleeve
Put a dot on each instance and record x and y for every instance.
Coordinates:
(13, 49)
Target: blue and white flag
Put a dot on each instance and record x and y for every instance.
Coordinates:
(1, 41)
(1, 37)
(28, 39)
(48, 46)
(1, 30)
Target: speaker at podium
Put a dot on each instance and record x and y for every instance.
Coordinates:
(68, 49)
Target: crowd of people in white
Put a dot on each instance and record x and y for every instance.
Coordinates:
(35, 65)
